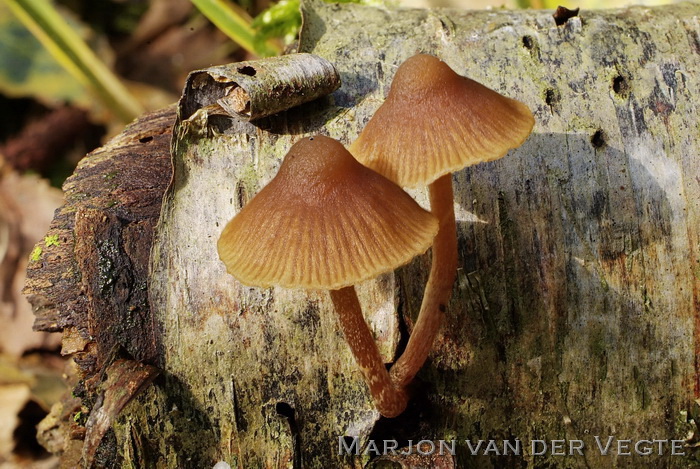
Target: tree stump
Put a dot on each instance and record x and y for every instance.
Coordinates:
(575, 313)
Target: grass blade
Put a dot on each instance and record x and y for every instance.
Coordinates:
(42, 19)
(235, 23)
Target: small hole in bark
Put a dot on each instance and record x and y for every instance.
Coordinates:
(285, 410)
(145, 139)
(552, 97)
(442, 308)
(598, 139)
(247, 70)
(620, 86)
(528, 42)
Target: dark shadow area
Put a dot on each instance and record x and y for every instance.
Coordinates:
(175, 419)
(26, 444)
(194, 437)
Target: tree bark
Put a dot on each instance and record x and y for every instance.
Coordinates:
(575, 312)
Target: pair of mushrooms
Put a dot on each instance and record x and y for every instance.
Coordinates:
(328, 222)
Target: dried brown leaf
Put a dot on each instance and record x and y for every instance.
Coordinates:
(27, 204)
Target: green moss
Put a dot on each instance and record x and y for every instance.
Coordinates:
(36, 254)
(51, 240)
(110, 176)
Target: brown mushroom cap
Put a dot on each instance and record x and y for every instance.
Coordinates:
(435, 122)
(324, 222)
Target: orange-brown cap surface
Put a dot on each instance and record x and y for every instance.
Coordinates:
(435, 122)
(324, 222)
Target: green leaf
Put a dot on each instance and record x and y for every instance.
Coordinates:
(236, 24)
(28, 70)
(283, 19)
(66, 46)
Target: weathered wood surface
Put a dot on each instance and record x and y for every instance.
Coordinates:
(91, 283)
(576, 309)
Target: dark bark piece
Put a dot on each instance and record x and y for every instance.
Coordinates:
(562, 15)
(111, 254)
(91, 282)
(93, 278)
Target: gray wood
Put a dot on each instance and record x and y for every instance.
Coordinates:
(263, 87)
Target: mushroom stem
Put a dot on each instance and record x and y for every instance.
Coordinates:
(439, 288)
(389, 400)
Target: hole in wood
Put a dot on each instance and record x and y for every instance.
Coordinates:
(528, 42)
(552, 97)
(145, 139)
(247, 70)
(621, 86)
(598, 139)
(285, 410)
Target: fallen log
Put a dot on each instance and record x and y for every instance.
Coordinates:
(575, 313)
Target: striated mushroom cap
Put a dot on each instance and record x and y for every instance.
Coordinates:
(435, 122)
(324, 222)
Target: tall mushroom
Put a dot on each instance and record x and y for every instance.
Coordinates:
(432, 123)
(327, 222)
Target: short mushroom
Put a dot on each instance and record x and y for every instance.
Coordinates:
(327, 222)
(432, 123)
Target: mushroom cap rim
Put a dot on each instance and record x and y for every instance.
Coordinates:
(335, 286)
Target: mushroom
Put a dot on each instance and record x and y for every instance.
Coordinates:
(435, 122)
(327, 222)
